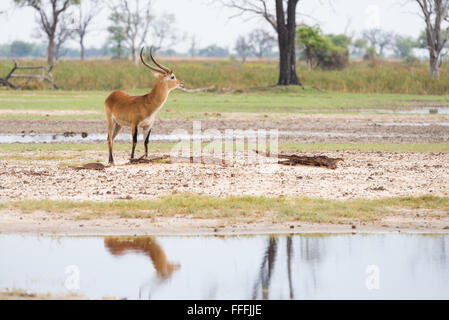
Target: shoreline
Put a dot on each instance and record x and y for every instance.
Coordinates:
(43, 224)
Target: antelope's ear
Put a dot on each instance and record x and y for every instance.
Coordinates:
(156, 75)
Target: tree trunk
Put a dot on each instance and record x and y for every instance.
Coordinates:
(286, 31)
(82, 51)
(433, 66)
(82, 47)
(134, 54)
(309, 64)
(51, 50)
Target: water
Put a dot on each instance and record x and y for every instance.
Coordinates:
(77, 138)
(385, 266)
(423, 110)
(74, 138)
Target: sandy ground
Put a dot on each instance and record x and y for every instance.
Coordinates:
(308, 128)
(405, 221)
(23, 295)
(361, 175)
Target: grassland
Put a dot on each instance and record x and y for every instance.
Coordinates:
(41, 151)
(240, 207)
(181, 105)
(382, 77)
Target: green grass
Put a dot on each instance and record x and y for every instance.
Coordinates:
(282, 101)
(241, 207)
(166, 147)
(20, 157)
(384, 146)
(383, 77)
(46, 147)
(25, 116)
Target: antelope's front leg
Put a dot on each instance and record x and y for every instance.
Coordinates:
(134, 134)
(146, 137)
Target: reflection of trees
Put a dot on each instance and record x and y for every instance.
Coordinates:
(429, 248)
(118, 246)
(312, 252)
(266, 269)
(289, 265)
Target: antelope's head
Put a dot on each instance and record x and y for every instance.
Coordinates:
(164, 75)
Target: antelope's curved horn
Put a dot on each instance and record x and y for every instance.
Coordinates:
(149, 66)
(157, 63)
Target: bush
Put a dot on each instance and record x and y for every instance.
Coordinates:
(333, 57)
(370, 54)
(411, 60)
(327, 52)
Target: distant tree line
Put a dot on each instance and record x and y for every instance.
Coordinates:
(133, 23)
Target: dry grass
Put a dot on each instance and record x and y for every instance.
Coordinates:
(383, 77)
(240, 207)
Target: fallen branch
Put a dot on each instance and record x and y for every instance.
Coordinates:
(40, 77)
(143, 159)
(319, 89)
(208, 89)
(90, 166)
(201, 159)
(316, 161)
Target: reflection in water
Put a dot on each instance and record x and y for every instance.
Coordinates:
(266, 269)
(147, 245)
(119, 246)
(250, 267)
(289, 265)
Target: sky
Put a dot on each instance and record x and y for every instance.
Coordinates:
(210, 22)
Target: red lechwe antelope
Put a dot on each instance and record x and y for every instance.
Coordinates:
(139, 111)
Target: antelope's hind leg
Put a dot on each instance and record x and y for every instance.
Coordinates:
(113, 130)
(134, 134)
(146, 139)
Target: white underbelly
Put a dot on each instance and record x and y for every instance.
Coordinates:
(147, 122)
(121, 122)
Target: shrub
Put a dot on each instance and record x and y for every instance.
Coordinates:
(370, 54)
(326, 52)
(333, 57)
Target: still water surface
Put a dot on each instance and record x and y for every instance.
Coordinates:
(383, 266)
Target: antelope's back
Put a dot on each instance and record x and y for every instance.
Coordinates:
(118, 98)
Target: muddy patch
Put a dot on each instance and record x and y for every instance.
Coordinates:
(295, 128)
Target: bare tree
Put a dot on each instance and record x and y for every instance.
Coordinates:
(378, 39)
(243, 48)
(262, 42)
(435, 13)
(85, 16)
(165, 33)
(193, 50)
(64, 32)
(50, 12)
(135, 21)
(281, 15)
